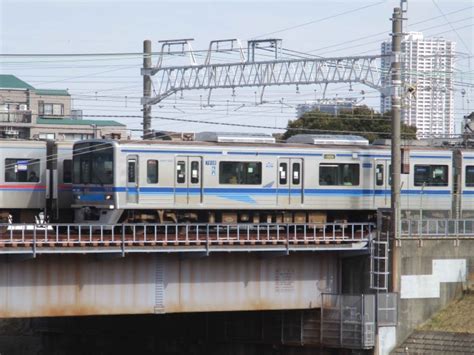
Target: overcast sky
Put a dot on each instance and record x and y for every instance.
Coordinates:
(112, 85)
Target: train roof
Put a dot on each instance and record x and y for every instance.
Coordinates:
(260, 145)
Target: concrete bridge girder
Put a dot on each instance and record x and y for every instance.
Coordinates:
(73, 285)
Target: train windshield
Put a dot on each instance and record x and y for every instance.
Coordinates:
(93, 163)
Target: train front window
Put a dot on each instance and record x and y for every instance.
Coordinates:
(93, 163)
(22, 170)
(470, 175)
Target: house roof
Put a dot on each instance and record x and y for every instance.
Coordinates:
(8, 81)
(71, 122)
(12, 82)
(52, 92)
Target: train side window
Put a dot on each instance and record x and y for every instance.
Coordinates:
(181, 172)
(339, 174)
(283, 171)
(152, 171)
(431, 175)
(379, 174)
(132, 171)
(22, 170)
(240, 173)
(67, 171)
(296, 174)
(194, 172)
(470, 175)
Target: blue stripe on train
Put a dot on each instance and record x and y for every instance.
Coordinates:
(267, 191)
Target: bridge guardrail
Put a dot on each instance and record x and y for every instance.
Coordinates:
(180, 235)
(437, 227)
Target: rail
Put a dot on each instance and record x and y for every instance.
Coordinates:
(123, 238)
(438, 228)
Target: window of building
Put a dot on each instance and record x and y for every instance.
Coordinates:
(67, 171)
(46, 136)
(152, 171)
(22, 170)
(240, 173)
(48, 109)
(470, 176)
(431, 175)
(339, 174)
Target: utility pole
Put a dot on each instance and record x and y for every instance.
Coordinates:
(396, 150)
(147, 90)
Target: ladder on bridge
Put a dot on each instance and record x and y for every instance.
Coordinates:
(379, 254)
(379, 273)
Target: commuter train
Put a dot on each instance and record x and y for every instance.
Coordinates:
(224, 179)
(37, 177)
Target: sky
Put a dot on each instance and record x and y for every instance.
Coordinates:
(112, 85)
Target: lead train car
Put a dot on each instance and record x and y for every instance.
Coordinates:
(36, 177)
(160, 182)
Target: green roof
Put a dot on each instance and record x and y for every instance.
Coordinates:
(70, 122)
(53, 92)
(12, 82)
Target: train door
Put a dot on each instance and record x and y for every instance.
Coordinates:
(188, 180)
(132, 179)
(381, 183)
(290, 181)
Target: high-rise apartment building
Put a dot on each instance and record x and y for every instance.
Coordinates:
(427, 73)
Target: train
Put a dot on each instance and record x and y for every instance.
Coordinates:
(36, 179)
(229, 178)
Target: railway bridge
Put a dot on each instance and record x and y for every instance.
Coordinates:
(57, 270)
(335, 276)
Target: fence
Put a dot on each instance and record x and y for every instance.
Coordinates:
(437, 227)
(61, 236)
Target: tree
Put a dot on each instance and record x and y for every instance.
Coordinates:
(361, 121)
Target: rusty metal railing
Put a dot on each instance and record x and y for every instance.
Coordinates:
(181, 237)
(437, 228)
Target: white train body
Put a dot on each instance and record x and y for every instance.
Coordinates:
(199, 181)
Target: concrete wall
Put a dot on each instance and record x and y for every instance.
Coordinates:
(432, 273)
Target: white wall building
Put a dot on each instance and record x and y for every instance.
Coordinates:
(427, 66)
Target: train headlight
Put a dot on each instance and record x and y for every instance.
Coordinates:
(77, 197)
(108, 196)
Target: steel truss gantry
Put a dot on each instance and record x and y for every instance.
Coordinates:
(249, 73)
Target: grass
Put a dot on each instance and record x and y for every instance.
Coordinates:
(458, 317)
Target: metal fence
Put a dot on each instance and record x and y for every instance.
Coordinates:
(437, 227)
(387, 305)
(348, 321)
(123, 236)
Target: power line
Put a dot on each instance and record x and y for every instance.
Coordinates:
(319, 20)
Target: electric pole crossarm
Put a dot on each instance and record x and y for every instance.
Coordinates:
(268, 73)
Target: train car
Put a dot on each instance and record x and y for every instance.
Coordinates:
(305, 180)
(24, 182)
(29, 183)
(464, 184)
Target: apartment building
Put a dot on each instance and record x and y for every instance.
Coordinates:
(427, 74)
(28, 113)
